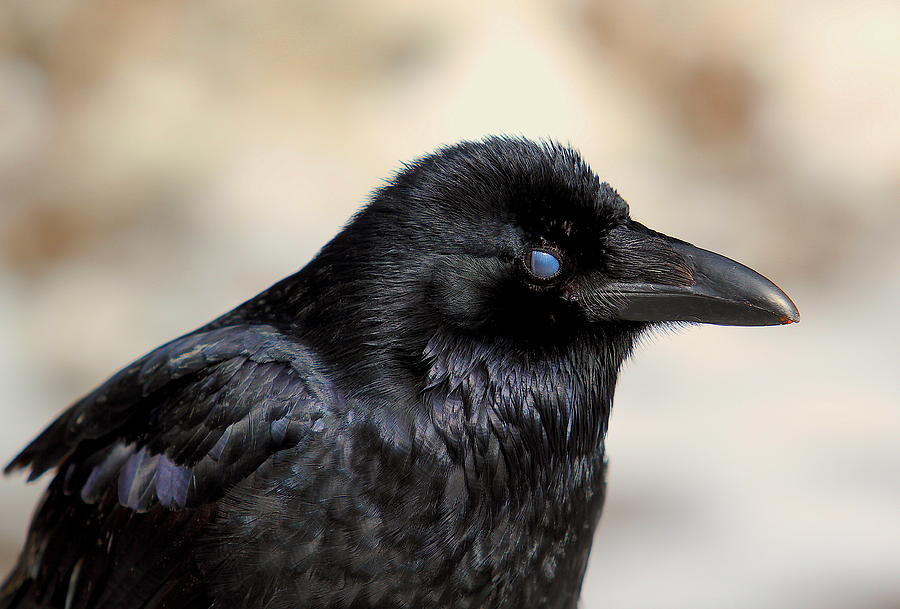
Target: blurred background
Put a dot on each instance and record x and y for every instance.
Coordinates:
(161, 162)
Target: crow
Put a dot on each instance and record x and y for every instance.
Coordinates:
(415, 419)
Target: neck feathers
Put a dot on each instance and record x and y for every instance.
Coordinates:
(501, 406)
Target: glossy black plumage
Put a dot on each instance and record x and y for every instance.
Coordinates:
(412, 420)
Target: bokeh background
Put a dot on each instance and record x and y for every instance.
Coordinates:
(162, 161)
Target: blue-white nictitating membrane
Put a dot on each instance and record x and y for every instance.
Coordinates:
(543, 264)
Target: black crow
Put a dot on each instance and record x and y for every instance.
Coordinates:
(416, 419)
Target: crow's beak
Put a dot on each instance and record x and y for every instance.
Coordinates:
(723, 292)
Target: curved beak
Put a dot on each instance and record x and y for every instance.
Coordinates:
(724, 292)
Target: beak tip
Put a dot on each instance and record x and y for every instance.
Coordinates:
(793, 317)
(788, 312)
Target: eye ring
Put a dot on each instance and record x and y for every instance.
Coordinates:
(543, 264)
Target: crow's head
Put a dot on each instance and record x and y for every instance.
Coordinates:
(518, 240)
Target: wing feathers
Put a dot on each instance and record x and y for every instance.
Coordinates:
(188, 421)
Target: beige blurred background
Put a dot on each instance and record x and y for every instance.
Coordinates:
(162, 161)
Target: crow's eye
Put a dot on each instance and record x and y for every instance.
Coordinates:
(543, 264)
